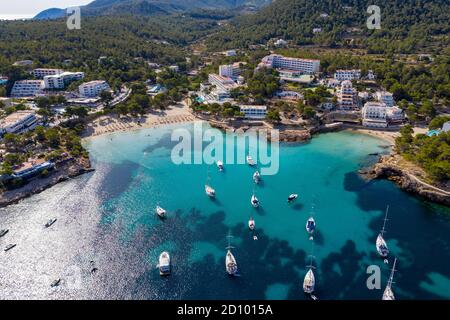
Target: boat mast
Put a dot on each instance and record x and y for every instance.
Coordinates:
(384, 223)
(391, 278)
(229, 236)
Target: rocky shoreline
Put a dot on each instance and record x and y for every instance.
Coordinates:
(62, 172)
(408, 178)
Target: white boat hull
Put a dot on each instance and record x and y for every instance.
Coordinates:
(382, 247)
(309, 282)
(164, 263)
(230, 264)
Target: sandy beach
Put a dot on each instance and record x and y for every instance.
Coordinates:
(388, 136)
(112, 123)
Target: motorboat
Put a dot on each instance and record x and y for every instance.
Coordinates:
(251, 224)
(292, 197)
(3, 232)
(210, 191)
(164, 263)
(9, 247)
(220, 165)
(250, 161)
(230, 264)
(50, 223)
(55, 283)
(160, 212)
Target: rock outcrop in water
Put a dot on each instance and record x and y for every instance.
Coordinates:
(408, 178)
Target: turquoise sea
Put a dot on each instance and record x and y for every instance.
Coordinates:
(106, 219)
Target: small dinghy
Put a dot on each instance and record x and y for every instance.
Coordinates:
(220, 165)
(3, 232)
(160, 212)
(380, 243)
(9, 247)
(256, 177)
(164, 264)
(210, 192)
(292, 197)
(254, 201)
(50, 223)
(388, 294)
(250, 161)
(55, 283)
(251, 224)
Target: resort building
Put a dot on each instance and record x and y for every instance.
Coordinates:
(18, 122)
(32, 168)
(93, 88)
(254, 112)
(40, 73)
(370, 75)
(347, 96)
(225, 84)
(342, 75)
(289, 95)
(395, 115)
(27, 88)
(230, 70)
(59, 81)
(374, 115)
(277, 61)
(385, 97)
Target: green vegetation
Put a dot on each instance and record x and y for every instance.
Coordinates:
(431, 153)
(405, 25)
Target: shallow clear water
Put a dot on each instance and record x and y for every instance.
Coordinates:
(108, 217)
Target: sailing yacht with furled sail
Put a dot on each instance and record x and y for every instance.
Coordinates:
(256, 177)
(381, 244)
(388, 294)
(254, 201)
(220, 165)
(251, 224)
(230, 261)
(309, 282)
(210, 192)
(250, 161)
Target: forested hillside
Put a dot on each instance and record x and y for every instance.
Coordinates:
(406, 25)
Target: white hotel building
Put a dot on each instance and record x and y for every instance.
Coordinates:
(40, 73)
(342, 75)
(93, 88)
(254, 112)
(374, 115)
(27, 88)
(385, 97)
(306, 66)
(18, 122)
(230, 70)
(347, 96)
(59, 81)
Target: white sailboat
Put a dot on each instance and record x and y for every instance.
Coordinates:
(160, 212)
(309, 282)
(310, 225)
(250, 161)
(388, 294)
(381, 244)
(230, 261)
(254, 201)
(164, 263)
(256, 176)
(220, 165)
(251, 224)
